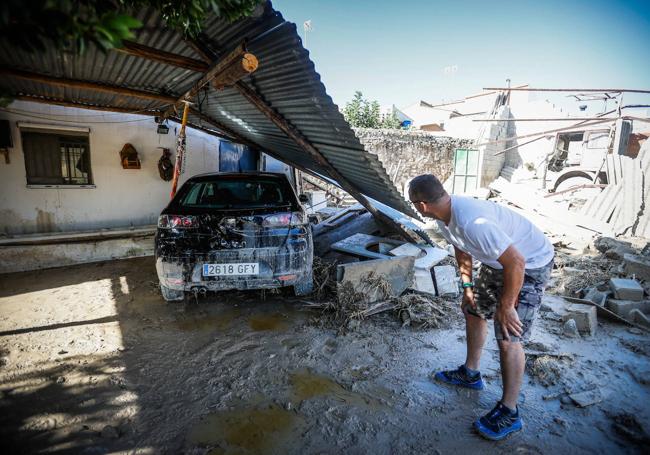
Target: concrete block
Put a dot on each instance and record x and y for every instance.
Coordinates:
(603, 244)
(638, 266)
(446, 280)
(585, 317)
(624, 307)
(423, 282)
(640, 318)
(398, 272)
(626, 289)
(596, 296)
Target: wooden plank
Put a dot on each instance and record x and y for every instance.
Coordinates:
(160, 56)
(86, 85)
(223, 72)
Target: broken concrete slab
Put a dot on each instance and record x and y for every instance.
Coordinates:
(640, 318)
(408, 249)
(423, 281)
(584, 316)
(446, 280)
(587, 398)
(624, 307)
(596, 296)
(368, 246)
(626, 289)
(639, 266)
(426, 257)
(397, 271)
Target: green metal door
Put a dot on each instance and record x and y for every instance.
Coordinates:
(466, 163)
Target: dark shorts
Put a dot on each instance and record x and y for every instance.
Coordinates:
(487, 293)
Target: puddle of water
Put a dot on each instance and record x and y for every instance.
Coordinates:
(308, 385)
(245, 430)
(203, 322)
(262, 322)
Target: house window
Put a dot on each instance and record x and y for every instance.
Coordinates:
(56, 157)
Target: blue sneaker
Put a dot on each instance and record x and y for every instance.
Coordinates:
(499, 423)
(461, 377)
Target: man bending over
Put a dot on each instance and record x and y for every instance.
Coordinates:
(516, 262)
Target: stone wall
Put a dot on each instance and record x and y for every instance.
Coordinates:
(406, 154)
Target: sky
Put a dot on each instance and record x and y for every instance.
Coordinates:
(402, 52)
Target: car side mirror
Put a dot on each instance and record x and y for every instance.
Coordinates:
(303, 198)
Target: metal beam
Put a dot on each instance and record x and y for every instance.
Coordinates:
(86, 85)
(128, 110)
(86, 105)
(556, 119)
(579, 90)
(160, 56)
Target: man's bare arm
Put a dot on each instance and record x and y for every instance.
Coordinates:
(514, 266)
(464, 261)
(464, 265)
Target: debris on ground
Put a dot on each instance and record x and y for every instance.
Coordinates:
(570, 329)
(425, 311)
(587, 397)
(548, 369)
(584, 316)
(324, 273)
(375, 280)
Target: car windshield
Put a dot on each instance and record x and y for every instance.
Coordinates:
(251, 192)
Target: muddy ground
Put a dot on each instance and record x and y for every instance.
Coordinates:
(93, 361)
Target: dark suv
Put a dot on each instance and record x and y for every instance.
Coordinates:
(234, 231)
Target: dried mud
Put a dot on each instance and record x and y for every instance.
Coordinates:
(93, 361)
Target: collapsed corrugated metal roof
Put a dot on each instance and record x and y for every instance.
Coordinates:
(285, 81)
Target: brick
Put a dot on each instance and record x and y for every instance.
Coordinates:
(638, 266)
(626, 289)
(624, 307)
(585, 317)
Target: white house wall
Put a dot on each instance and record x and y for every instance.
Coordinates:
(121, 197)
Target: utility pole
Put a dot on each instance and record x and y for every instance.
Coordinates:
(307, 28)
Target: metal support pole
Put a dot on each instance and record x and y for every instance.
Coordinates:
(180, 149)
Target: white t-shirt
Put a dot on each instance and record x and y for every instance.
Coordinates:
(485, 229)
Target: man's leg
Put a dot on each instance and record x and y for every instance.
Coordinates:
(504, 419)
(468, 375)
(513, 362)
(476, 334)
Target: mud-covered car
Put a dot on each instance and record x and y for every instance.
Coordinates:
(233, 231)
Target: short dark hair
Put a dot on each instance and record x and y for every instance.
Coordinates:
(426, 188)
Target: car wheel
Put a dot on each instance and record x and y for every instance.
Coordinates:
(304, 286)
(172, 295)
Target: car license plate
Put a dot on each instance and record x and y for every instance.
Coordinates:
(250, 268)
